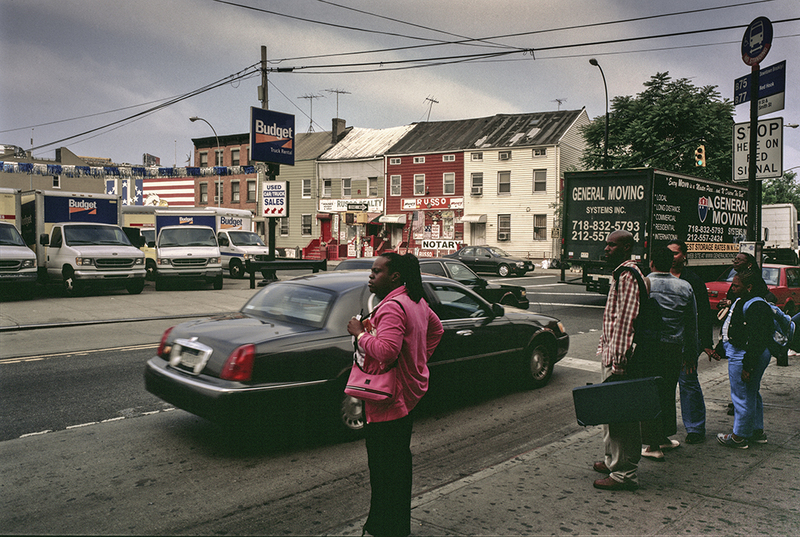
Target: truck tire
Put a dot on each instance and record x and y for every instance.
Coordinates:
(218, 283)
(135, 286)
(236, 269)
(72, 287)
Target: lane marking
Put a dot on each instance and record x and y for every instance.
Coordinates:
(35, 358)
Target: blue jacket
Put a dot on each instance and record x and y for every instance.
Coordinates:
(679, 308)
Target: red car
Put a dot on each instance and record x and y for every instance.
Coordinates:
(783, 282)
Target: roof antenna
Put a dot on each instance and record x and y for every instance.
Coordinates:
(559, 101)
(432, 100)
(311, 98)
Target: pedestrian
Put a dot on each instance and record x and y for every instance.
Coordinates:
(745, 333)
(693, 406)
(678, 342)
(744, 262)
(404, 333)
(622, 441)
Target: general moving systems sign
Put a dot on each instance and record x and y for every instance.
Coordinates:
(271, 136)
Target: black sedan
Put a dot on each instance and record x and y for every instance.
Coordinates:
(288, 349)
(492, 259)
(508, 295)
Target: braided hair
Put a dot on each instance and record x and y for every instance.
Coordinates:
(408, 267)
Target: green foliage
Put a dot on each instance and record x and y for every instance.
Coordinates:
(783, 189)
(656, 128)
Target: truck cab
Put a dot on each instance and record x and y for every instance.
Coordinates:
(239, 246)
(187, 252)
(17, 261)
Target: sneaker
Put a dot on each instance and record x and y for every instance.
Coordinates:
(609, 483)
(728, 441)
(695, 438)
(655, 455)
(759, 437)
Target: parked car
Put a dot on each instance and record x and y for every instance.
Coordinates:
(288, 349)
(783, 281)
(508, 295)
(492, 259)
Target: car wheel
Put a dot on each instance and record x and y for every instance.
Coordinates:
(135, 286)
(236, 269)
(503, 270)
(72, 287)
(351, 415)
(150, 269)
(538, 365)
(218, 283)
(509, 300)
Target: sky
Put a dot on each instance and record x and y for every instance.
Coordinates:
(71, 67)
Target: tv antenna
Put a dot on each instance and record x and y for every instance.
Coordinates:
(338, 92)
(311, 98)
(559, 101)
(432, 102)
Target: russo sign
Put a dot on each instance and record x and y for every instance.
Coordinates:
(271, 136)
(412, 204)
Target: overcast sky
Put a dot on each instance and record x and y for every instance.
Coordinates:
(72, 66)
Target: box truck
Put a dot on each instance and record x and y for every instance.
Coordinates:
(17, 260)
(657, 207)
(78, 241)
(186, 247)
(780, 233)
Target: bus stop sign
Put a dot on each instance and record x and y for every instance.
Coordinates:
(757, 41)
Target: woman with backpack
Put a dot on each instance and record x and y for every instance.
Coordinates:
(746, 332)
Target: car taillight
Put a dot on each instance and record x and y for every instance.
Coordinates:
(163, 348)
(712, 293)
(239, 365)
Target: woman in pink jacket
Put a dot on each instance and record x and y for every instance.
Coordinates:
(405, 334)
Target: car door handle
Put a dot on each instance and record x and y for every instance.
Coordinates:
(464, 333)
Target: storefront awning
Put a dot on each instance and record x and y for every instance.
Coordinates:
(392, 219)
(474, 218)
(324, 216)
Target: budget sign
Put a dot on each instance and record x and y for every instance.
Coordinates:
(271, 136)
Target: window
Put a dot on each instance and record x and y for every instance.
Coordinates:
(218, 156)
(540, 180)
(372, 186)
(503, 227)
(204, 193)
(419, 185)
(540, 152)
(235, 157)
(394, 185)
(204, 159)
(448, 158)
(306, 188)
(56, 181)
(305, 225)
(477, 184)
(326, 188)
(448, 224)
(394, 161)
(504, 155)
(504, 182)
(540, 227)
(419, 160)
(455, 303)
(346, 188)
(284, 226)
(476, 157)
(251, 191)
(234, 191)
(449, 181)
(432, 267)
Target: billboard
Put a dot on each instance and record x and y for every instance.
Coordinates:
(271, 136)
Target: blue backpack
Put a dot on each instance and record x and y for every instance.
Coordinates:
(784, 329)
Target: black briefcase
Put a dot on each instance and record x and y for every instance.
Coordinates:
(617, 402)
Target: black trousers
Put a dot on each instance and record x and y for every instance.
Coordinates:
(389, 457)
(666, 364)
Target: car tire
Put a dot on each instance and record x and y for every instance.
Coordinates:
(504, 271)
(538, 365)
(236, 269)
(72, 287)
(218, 283)
(135, 286)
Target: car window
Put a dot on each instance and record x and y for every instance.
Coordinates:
(468, 251)
(770, 275)
(499, 252)
(432, 267)
(461, 273)
(792, 277)
(291, 303)
(456, 303)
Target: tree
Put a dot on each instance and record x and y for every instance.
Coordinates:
(661, 128)
(784, 189)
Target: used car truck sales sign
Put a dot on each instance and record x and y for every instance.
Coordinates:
(274, 196)
(769, 156)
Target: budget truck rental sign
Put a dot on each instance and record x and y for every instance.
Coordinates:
(271, 136)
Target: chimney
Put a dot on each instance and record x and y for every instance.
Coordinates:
(337, 128)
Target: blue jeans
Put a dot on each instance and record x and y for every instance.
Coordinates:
(747, 406)
(693, 406)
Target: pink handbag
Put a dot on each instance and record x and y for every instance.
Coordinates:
(371, 387)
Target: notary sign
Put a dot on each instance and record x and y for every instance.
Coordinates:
(274, 196)
(271, 136)
(769, 154)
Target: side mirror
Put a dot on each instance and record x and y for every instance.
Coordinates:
(482, 282)
(498, 310)
(223, 241)
(44, 239)
(151, 244)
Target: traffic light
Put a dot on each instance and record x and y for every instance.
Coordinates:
(700, 156)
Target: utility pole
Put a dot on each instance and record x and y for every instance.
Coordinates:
(337, 92)
(311, 98)
(270, 170)
(432, 101)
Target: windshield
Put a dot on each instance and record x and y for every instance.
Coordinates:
(462, 273)
(95, 235)
(187, 236)
(771, 275)
(245, 238)
(149, 235)
(9, 236)
(498, 252)
(292, 303)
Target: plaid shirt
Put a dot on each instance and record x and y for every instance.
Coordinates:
(622, 307)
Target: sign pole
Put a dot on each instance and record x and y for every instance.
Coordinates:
(753, 185)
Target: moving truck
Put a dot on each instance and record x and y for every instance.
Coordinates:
(186, 247)
(657, 207)
(17, 261)
(780, 233)
(78, 241)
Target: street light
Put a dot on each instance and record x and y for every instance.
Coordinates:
(216, 187)
(593, 61)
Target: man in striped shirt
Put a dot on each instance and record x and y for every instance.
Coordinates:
(623, 441)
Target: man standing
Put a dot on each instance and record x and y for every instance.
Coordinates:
(623, 441)
(693, 406)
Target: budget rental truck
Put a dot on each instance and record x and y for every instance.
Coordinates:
(656, 206)
(17, 261)
(186, 247)
(78, 241)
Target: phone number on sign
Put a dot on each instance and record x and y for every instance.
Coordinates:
(606, 226)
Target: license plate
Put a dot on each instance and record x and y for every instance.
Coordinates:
(189, 355)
